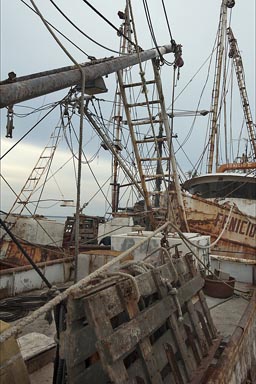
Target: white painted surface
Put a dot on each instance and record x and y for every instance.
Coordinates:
(240, 271)
(34, 343)
(88, 263)
(125, 241)
(17, 282)
(117, 225)
(38, 230)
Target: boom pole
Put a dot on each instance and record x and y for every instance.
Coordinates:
(28, 87)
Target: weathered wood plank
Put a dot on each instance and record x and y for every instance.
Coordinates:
(75, 311)
(182, 295)
(202, 301)
(205, 328)
(193, 342)
(145, 349)
(80, 344)
(103, 305)
(190, 289)
(147, 345)
(90, 375)
(125, 338)
(173, 363)
(159, 350)
(98, 318)
(181, 344)
(198, 330)
(136, 370)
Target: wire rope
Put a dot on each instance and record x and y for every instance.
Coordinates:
(78, 29)
(30, 130)
(109, 23)
(57, 30)
(167, 20)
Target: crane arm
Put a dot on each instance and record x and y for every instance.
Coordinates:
(29, 87)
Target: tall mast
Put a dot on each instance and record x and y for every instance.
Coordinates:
(238, 63)
(125, 48)
(148, 131)
(216, 85)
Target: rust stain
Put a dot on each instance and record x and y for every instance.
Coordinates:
(15, 258)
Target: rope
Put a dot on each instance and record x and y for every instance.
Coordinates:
(174, 292)
(57, 30)
(143, 80)
(108, 22)
(188, 243)
(80, 285)
(131, 278)
(169, 257)
(79, 170)
(83, 33)
(212, 244)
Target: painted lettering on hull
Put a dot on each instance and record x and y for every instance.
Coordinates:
(235, 225)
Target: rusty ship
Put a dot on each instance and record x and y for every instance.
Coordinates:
(136, 308)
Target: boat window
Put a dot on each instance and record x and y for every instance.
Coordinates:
(224, 189)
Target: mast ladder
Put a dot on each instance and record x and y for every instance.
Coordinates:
(43, 164)
(147, 149)
(216, 88)
(151, 140)
(234, 53)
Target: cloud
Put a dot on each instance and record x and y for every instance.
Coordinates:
(17, 166)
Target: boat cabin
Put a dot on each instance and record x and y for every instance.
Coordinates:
(222, 185)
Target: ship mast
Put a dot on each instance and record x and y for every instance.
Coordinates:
(125, 48)
(147, 145)
(216, 85)
(148, 132)
(238, 63)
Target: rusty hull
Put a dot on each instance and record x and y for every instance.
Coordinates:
(209, 218)
(14, 257)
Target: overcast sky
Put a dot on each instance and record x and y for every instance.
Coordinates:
(27, 47)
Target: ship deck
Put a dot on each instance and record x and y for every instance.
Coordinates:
(226, 315)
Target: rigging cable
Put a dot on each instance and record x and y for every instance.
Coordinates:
(34, 110)
(83, 33)
(93, 174)
(34, 218)
(109, 22)
(86, 160)
(79, 167)
(151, 29)
(25, 254)
(69, 142)
(47, 172)
(198, 105)
(57, 30)
(167, 21)
(149, 22)
(39, 121)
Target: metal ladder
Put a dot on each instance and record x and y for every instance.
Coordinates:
(36, 175)
(146, 143)
(238, 64)
(154, 166)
